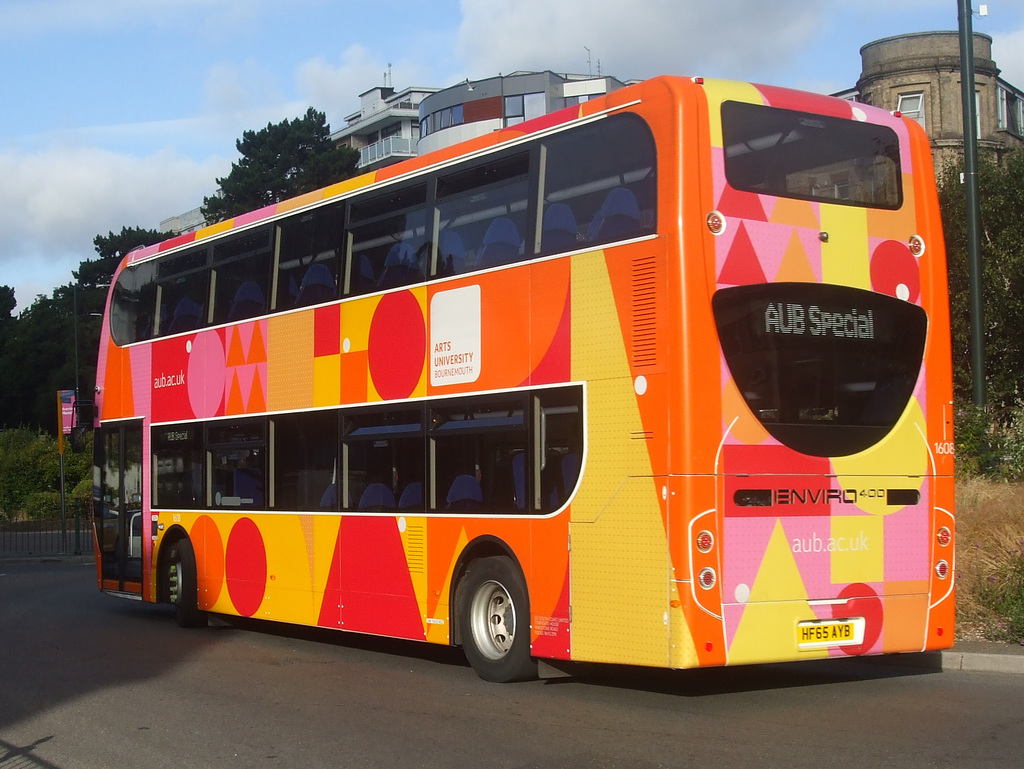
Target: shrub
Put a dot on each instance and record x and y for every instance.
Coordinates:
(990, 563)
(42, 506)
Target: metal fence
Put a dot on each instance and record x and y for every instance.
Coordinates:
(71, 536)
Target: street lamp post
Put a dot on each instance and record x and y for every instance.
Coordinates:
(974, 273)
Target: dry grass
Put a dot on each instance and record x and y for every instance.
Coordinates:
(989, 559)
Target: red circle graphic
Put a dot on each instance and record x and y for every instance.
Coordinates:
(245, 565)
(397, 345)
(893, 266)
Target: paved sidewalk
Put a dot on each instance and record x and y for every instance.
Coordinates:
(984, 656)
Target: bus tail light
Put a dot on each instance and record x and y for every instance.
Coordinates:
(916, 245)
(943, 536)
(716, 223)
(942, 569)
(705, 541)
(707, 578)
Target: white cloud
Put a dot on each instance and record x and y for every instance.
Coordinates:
(53, 203)
(640, 39)
(334, 89)
(1008, 52)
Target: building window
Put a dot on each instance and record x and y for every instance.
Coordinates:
(524, 107)
(912, 105)
(1011, 106)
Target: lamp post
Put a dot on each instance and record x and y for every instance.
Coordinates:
(974, 273)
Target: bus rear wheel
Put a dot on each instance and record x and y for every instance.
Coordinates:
(183, 585)
(494, 616)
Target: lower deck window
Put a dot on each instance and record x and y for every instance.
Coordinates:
(512, 453)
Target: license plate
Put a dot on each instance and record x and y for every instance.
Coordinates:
(830, 632)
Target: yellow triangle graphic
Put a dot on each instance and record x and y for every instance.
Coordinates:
(778, 600)
(795, 266)
(798, 213)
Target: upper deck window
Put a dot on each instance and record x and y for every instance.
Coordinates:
(800, 155)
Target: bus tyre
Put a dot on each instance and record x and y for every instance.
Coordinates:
(183, 585)
(494, 617)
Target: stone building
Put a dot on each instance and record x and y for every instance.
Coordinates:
(919, 75)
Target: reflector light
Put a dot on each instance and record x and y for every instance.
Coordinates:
(698, 80)
(707, 578)
(705, 541)
(897, 113)
(944, 536)
(716, 223)
(916, 245)
(942, 569)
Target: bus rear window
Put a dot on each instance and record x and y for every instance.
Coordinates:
(828, 370)
(800, 155)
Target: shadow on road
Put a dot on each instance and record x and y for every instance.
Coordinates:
(709, 682)
(61, 639)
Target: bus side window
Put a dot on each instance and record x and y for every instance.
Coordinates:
(241, 267)
(475, 445)
(178, 467)
(561, 436)
(388, 233)
(383, 455)
(481, 212)
(603, 174)
(236, 452)
(304, 448)
(133, 308)
(182, 292)
(308, 250)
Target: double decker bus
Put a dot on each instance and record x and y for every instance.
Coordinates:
(659, 379)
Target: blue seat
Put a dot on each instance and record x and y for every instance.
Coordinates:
(617, 219)
(317, 286)
(187, 315)
(329, 500)
(465, 493)
(500, 244)
(401, 267)
(519, 480)
(560, 231)
(377, 496)
(451, 254)
(363, 279)
(247, 484)
(248, 301)
(412, 496)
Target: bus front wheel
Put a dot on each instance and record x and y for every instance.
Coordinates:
(494, 615)
(183, 585)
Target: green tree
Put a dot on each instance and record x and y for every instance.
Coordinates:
(38, 355)
(278, 162)
(30, 475)
(1001, 198)
(92, 279)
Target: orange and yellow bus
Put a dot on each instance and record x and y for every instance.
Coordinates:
(660, 379)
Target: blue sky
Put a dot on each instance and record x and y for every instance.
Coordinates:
(124, 112)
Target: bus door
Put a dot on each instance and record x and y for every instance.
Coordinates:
(118, 508)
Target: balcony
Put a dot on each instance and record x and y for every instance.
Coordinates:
(397, 147)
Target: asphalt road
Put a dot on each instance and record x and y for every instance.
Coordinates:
(87, 681)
